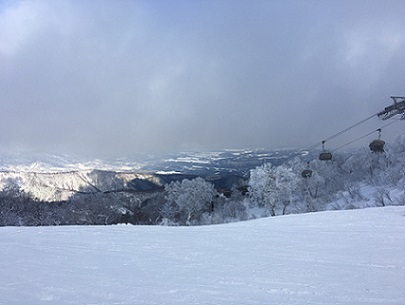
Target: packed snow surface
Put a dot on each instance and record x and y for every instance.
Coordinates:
(339, 257)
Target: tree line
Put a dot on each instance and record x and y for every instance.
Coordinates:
(350, 180)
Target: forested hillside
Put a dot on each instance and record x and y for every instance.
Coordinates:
(354, 179)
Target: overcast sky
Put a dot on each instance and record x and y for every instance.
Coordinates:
(109, 78)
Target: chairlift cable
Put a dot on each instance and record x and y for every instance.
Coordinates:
(339, 133)
(398, 108)
(366, 135)
(350, 127)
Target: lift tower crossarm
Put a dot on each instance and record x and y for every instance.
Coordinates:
(397, 108)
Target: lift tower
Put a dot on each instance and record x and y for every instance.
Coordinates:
(397, 108)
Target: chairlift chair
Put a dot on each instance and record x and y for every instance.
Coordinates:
(325, 155)
(306, 173)
(377, 146)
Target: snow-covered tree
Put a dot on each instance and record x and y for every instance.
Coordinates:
(395, 153)
(273, 188)
(261, 185)
(187, 200)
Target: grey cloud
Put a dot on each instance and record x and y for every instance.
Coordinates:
(112, 77)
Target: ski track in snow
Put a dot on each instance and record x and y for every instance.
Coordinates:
(344, 257)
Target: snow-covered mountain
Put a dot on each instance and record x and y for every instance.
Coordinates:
(56, 186)
(351, 257)
(58, 177)
(238, 161)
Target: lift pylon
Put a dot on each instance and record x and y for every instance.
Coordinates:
(397, 108)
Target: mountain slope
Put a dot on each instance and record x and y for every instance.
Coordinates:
(61, 185)
(340, 257)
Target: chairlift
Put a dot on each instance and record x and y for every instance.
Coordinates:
(325, 155)
(306, 173)
(377, 146)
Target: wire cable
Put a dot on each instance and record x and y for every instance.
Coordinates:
(339, 133)
(366, 135)
(350, 127)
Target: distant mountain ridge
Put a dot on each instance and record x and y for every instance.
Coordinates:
(59, 186)
(199, 163)
(55, 178)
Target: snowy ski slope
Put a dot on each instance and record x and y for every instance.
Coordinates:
(342, 257)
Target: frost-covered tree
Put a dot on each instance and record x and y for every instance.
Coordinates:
(187, 200)
(395, 153)
(273, 188)
(330, 174)
(95, 209)
(227, 209)
(261, 185)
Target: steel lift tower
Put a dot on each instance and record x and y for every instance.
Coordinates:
(397, 108)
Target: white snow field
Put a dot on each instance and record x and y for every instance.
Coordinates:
(337, 257)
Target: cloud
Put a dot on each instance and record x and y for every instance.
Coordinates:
(113, 77)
